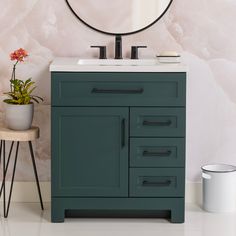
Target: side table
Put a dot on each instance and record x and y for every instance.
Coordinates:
(16, 137)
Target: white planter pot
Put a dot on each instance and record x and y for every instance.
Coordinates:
(19, 117)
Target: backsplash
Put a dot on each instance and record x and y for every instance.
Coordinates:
(202, 31)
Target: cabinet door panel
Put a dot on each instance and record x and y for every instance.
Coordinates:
(90, 151)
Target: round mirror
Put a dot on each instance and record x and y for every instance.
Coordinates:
(119, 17)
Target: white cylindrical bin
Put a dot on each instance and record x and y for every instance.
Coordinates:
(219, 188)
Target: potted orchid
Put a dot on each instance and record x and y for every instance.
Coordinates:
(20, 102)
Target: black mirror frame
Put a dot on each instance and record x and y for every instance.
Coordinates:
(121, 34)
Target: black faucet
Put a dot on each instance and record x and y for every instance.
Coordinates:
(118, 47)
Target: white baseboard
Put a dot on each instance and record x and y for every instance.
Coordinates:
(193, 193)
(27, 192)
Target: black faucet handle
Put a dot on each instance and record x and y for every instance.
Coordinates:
(118, 47)
(103, 51)
(134, 51)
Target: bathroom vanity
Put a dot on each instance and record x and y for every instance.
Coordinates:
(118, 140)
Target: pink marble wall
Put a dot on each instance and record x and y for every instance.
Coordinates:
(202, 31)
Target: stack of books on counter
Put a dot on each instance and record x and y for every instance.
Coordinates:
(169, 57)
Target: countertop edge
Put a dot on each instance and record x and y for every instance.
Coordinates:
(70, 65)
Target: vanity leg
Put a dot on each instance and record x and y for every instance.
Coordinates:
(178, 214)
(57, 212)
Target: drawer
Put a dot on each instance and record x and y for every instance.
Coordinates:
(118, 89)
(157, 122)
(157, 182)
(157, 152)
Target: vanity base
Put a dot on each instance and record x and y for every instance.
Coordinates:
(172, 208)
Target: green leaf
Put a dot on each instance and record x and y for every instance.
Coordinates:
(29, 85)
(27, 100)
(35, 99)
(9, 101)
(29, 92)
(27, 81)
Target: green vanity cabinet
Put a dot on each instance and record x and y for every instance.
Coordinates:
(118, 144)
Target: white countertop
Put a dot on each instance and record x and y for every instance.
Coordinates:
(70, 64)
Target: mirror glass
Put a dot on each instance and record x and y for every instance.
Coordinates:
(119, 16)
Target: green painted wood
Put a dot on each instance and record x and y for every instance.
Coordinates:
(157, 182)
(157, 89)
(57, 210)
(174, 205)
(90, 163)
(90, 151)
(157, 122)
(178, 212)
(157, 152)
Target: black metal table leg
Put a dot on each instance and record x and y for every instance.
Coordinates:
(12, 181)
(3, 180)
(6, 205)
(8, 160)
(35, 172)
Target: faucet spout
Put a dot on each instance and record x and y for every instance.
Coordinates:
(118, 47)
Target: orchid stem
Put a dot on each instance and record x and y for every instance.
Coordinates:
(13, 75)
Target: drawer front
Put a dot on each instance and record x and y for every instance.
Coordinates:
(118, 89)
(157, 122)
(157, 152)
(157, 182)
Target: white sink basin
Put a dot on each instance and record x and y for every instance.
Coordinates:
(114, 62)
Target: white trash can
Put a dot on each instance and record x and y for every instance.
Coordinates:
(219, 188)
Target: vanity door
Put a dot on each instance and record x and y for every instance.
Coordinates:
(90, 152)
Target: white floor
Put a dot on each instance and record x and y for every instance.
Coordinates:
(27, 220)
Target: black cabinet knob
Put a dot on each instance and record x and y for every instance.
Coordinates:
(134, 51)
(103, 51)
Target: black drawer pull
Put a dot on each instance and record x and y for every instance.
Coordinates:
(118, 91)
(156, 154)
(157, 123)
(156, 184)
(123, 133)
